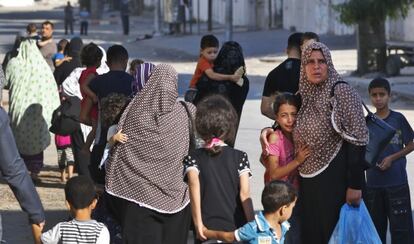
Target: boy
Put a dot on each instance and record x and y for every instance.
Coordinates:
(114, 81)
(31, 31)
(388, 195)
(307, 38)
(270, 225)
(81, 200)
(84, 16)
(59, 57)
(208, 52)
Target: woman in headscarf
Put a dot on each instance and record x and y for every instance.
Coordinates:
(145, 173)
(229, 59)
(73, 50)
(141, 75)
(333, 174)
(12, 53)
(33, 98)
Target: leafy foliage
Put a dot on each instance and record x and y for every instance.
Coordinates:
(372, 11)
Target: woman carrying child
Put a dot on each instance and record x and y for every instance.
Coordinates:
(218, 175)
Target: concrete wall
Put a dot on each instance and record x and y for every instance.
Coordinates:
(302, 15)
(401, 29)
(16, 3)
(241, 11)
(313, 15)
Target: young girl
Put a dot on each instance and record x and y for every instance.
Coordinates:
(91, 56)
(218, 175)
(282, 162)
(65, 156)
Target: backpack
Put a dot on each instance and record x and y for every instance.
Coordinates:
(65, 119)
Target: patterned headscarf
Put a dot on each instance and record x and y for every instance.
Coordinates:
(142, 74)
(33, 98)
(314, 120)
(147, 169)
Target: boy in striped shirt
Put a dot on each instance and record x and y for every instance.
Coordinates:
(81, 200)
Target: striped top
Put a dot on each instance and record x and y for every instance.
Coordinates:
(74, 231)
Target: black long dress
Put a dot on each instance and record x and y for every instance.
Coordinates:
(229, 59)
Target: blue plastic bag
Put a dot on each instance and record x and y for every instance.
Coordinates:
(355, 226)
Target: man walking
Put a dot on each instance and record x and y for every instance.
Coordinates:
(124, 10)
(47, 46)
(68, 18)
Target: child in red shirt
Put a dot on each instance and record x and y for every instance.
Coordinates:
(91, 57)
(209, 46)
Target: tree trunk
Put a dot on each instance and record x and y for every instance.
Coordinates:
(363, 39)
(380, 45)
(371, 47)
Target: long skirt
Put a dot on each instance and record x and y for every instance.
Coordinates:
(141, 225)
(34, 163)
(322, 197)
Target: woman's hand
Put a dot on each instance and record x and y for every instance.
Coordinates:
(235, 78)
(263, 140)
(353, 197)
(302, 154)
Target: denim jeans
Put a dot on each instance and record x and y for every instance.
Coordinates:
(391, 204)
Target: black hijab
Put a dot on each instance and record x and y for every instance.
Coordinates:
(73, 50)
(12, 53)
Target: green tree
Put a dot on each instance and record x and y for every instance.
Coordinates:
(369, 16)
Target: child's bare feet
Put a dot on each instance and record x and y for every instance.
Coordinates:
(63, 176)
(70, 171)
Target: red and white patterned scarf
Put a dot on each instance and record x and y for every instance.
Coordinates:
(147, 169)
(314, 121)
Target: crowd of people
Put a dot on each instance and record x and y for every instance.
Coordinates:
(150, 168)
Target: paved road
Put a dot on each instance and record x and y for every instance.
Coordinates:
(182, 52)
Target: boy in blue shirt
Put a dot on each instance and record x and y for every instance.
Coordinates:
(388, 195)
(270, 225)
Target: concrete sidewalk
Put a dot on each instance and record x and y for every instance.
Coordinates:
(263, 50)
